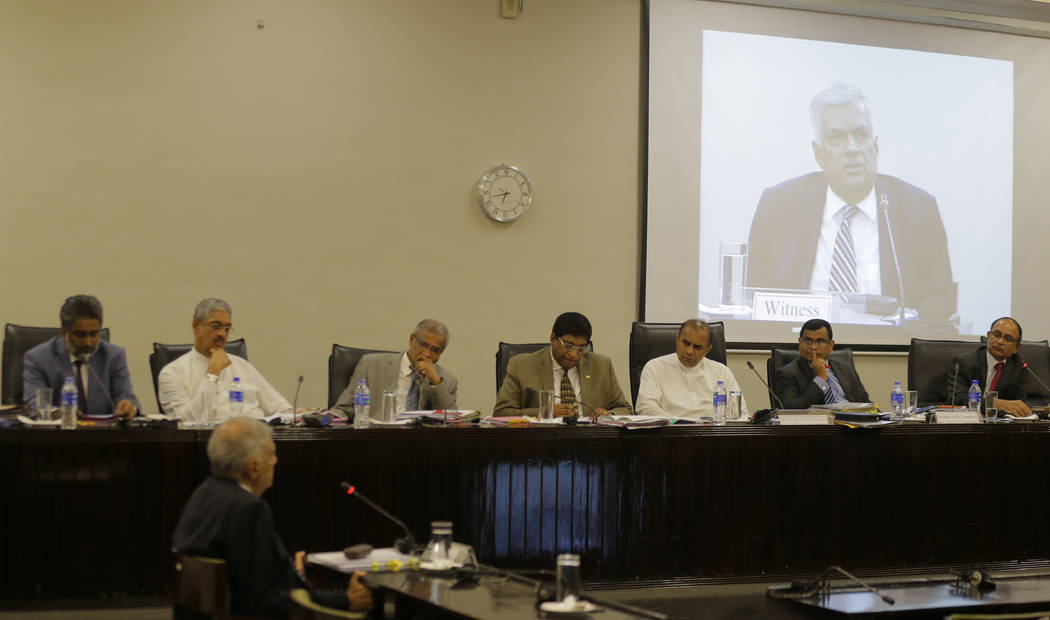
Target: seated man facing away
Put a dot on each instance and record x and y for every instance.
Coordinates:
(682, 384)
(576, 376)
(413, 376)
(814, 378)
(99, 369)
(997, 367)
(196, 386)
(227, 518)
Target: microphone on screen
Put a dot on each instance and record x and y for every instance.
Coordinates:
(406, 543)
(884, 206)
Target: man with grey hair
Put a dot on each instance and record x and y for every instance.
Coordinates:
(196, 386)
(99, 369)
(831, 230)
(226, 518)
(414, 375)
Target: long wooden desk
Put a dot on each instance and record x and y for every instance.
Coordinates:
(91, 511)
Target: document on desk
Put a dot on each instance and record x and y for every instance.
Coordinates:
(816, 418)
(336, 560)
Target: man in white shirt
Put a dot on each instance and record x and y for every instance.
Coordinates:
(414, 375)
(682, 384)
(196, 386)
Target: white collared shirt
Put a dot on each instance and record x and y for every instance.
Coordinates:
(574, 379)
(865, 229)
(186, 393)
(668, 388)
(404, 381)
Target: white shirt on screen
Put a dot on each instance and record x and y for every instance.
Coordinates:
(865, 231)
(186, 393)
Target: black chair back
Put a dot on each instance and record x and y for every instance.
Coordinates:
(930, 367)
(164, 354)
(782, 355)
(649, 340)
(341, 365)
(507, 350)
(201, 588)
(17, 340)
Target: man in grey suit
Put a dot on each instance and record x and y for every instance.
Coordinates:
(576, 376)
(99, 369)
(814, 378)
(414, 376)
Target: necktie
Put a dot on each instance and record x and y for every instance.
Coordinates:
(844, 258)
(568, 395)
(994, 385)
(829, 395)
(78, 370)
(412, 399)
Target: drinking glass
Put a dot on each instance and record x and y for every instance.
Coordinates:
(911, 402)
(568, 576)
(388, 406)
(43, 404)
(546, 405)
(440, 543)
(990, 412)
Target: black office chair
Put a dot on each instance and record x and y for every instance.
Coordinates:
(930, 368)
(507, 350)
(341, 365)
(201, 589)
(164, 354)
(649, 340)
(305, 609)
(782, 355)
(17, 340)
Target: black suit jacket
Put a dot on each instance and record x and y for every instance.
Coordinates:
(1013, 383)
(782, 244)
(222, 520)
(796, 389)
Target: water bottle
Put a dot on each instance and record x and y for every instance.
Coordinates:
(897, 400)
(69, 404)
(973, 402)
(236, 398)
(720, 403)
(361, 399)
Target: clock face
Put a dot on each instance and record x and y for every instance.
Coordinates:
(504, 193)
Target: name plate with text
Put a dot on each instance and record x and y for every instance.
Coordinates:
(958, 417)
(802, 419)
(788, 307)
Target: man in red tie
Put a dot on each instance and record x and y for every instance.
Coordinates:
(996, 367)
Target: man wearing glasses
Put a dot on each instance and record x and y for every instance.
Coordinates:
(196, 386)
(682, 384)
(577, 376)
(415, 378)
(99, 369)
(997, 367)
(814, 378)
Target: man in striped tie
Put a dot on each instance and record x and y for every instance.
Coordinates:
(815, 378)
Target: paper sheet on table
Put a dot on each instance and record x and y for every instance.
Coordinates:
(337, 561)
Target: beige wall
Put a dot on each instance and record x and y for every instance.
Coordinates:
(314, 162)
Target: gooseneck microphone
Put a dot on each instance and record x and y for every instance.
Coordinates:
(295, 401)
(91, 371)
(884, 206)
(955, 378)
(1024, 364)
(776, 398)
(406, 543)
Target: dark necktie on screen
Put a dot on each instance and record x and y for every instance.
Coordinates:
(78, 370)
(412, 399)
(568, 395)
(994, 385)
(844, 258)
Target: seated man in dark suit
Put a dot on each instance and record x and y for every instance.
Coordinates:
(100, 369)
(226, 518)
(815, 378)
(996, 366)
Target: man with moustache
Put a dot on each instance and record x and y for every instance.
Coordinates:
(195, 387)
(100, 369)
(414, 375)
(827, 231)
(997, 367)
(576, 376)
(814, 378)
(682, 384)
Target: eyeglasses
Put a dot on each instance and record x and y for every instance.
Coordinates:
(432, 349)
(82, 334)
(579, 348)
(998, 335)
(216, 326)
(820, 342)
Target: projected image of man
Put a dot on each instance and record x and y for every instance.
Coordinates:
(827, 231)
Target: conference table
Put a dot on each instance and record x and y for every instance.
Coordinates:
(90, 512)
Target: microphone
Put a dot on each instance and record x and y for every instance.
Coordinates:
(884, 206)
(91, 371)
(1024, 364)
(955, 378)
(295, 400)
(765, 383)
(406, 543)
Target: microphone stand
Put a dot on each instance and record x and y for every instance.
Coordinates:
(955, 378)
(295, 401)
(776, 398)
(406, 543)
(884, 206)
(98, 380)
